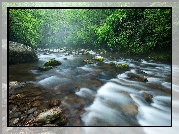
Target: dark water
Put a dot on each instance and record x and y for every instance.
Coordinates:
(99, 94)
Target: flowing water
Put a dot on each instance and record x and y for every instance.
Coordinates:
(100, 94)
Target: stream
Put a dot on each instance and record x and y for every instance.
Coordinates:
(100, 94)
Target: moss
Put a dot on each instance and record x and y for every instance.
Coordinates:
(123, 66)
(98, 58)
(45, 68)
(88, 61)
(52, 62)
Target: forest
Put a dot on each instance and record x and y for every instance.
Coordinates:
(131, 31)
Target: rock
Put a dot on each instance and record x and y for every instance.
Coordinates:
(147, 97)
(88, 61)
(36, 104)
(50, 125)
(60, 121)
(30, 111)
(52, 62)
(45, 68)
(53, 103)
(49, 115)
(136, 77)
(15, 84)
(20, 53)
(130, 109)
(122, 66)
(14, 121)
(99, 58)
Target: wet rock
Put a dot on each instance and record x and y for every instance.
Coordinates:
(147, 97)
(36, 93)
(45, 68)
(15, 84)
(52, 62)
(17, 114)
(53, 103)
(20, 53)
(50, 125)
(58, 93)
(136, 77)
(88, 61)
(30, 111)
(122, 66)
(36, 104)
(14, 121)
(11, 106)
(49, 115)
(76, 122)
(98, 58)
(130, 109)
(60, 121)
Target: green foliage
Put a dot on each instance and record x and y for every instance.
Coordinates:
(126, 30)
(130, 31)
(23, 27)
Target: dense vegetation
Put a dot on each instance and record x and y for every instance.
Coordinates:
(131, 31)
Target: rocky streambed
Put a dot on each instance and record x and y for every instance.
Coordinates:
(89, 89)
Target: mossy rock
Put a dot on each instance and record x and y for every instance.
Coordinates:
(88, 61)
(45, 68)
(99, 58)
(112, 63)
(122, 66)
(52, 62)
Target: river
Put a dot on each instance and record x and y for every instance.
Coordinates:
(100, 94)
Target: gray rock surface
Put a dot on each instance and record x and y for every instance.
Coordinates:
(20, 53)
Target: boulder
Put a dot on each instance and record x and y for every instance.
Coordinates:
(20, 53)
(147, 97)
(98, 58)
(45, 68)
(88, 61)
(122, 66)
(52, 62)
(136, 77)
(49, 115)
